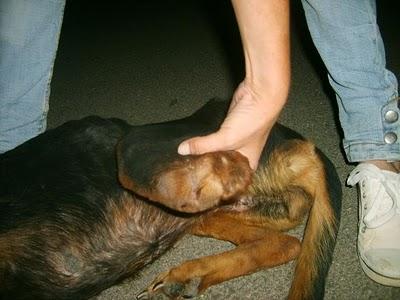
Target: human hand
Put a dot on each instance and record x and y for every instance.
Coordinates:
(245, 129)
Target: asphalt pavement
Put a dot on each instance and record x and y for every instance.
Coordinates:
(152, 61)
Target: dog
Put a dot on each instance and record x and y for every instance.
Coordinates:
(91, 202)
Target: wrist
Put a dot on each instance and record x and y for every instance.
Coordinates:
(270, 98)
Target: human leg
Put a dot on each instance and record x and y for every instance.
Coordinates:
(348, 39)
(29, 32)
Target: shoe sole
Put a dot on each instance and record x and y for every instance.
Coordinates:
(384, 280)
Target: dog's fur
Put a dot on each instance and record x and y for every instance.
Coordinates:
(88, 204)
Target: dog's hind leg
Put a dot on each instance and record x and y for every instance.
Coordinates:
(299, 178)
(257, 248)
(296, 180)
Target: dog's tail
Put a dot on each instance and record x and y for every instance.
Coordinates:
(303, 178)
(320, 234)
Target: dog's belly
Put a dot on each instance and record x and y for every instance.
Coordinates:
(80, 254)
(67, 227)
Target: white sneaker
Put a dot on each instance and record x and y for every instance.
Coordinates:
(379, 222)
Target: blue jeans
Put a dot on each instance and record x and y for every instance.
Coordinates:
(347, 37)
(344, 31)
(29, 33)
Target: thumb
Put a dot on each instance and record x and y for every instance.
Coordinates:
(201, 144)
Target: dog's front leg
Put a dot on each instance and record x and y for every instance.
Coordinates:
(257, 248)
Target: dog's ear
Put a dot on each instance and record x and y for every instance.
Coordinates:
(149, 165)
(144, 152)
(147, 149)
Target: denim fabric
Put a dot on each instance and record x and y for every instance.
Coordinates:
(348, 39)
(344, 31)
(29, 33)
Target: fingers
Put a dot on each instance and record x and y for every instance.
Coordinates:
(203, 144)
(219, 142)
(252, 154)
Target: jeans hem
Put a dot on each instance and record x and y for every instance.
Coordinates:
(363, 152)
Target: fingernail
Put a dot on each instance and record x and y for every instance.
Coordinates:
(184, 149)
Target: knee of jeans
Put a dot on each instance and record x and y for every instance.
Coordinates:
(23, 21)
(14, 22)
(341, 14)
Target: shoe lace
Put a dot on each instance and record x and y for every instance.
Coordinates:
(374, 216)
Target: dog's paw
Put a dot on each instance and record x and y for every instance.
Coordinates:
(196, 183)
(165, 288)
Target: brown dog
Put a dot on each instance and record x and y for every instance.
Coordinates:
(88, 204)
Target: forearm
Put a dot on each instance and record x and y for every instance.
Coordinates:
(264, 29)
(258, 100)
